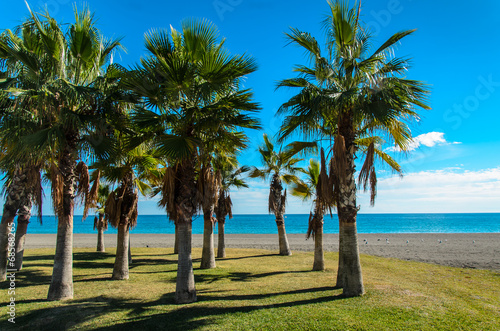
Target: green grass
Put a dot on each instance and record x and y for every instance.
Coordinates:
(253, 290)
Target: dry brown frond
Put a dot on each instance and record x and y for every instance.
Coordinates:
(310, 228)
(90, 201)
(168, 193)
(35, 187)
(82, 174)
(56, 189)
(132, 213)
(229, 206)
(208, 188)
(111, 209)
(366, 169)
(368, 174)
(373, 187)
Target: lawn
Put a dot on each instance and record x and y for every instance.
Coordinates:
(253, 290)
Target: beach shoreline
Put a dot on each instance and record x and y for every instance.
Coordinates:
(464, 250)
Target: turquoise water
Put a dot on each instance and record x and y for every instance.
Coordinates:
(367, 223)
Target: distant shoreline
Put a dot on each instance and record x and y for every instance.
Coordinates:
(465, 250)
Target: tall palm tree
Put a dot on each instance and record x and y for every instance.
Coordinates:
(67, 117)
(350, 93)
(191, 85)
(282, 166)
(23, 186)
(230, 177)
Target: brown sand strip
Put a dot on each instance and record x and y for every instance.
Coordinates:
(465, 250)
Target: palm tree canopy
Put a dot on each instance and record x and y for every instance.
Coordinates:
(191, 85)
(357, 96)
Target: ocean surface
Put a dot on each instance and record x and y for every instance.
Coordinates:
(367, 223)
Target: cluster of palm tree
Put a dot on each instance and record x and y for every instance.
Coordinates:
(173, 125)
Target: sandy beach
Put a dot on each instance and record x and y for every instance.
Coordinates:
(465, 250)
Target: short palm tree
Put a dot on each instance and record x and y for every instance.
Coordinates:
(192, 86)
(352, 94)
(230, 175)
(282, 166)
(317, 187)
(100, 222)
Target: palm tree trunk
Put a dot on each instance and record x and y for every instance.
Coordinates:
(283, 240)
(185, 201)
(5, 234)
(23, 219)
(22, 229)
(351, 275)
(185, 291)
(61, 286)
(319, 257)
(221, 245)
(208, 254)
(176, 241)
(120, 269)
(100, 234)
(15, 193)
(340, 270)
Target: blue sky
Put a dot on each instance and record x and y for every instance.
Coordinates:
(455, 164)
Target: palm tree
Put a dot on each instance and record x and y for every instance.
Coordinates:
(351, 94)
(317, 187)
(67, 117)
(209, 185)
(282, 166)
(191, 83)
(100, 222)
(130, 167)
(230, 177)
(23, 186)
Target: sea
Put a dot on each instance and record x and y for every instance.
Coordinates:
(366, 223)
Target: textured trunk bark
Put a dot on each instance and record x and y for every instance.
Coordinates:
(340, 270)
(208, 254)
(120, 269)
(23, 219)
(5, 234)
(15, 195)
(319, 257)
(185, 291)
(221, 245)
(100, 234)
(176, 240)
(22, 229)
(283, 240)
(352, 277)
(349, 262)
(61, 286)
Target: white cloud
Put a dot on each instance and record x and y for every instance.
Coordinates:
(429, 139)
(448, 190)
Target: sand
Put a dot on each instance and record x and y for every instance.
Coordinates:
(464, 250)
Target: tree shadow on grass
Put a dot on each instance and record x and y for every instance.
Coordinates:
(74, 313)
(245, 257)
(29, 277)
(241, 276)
